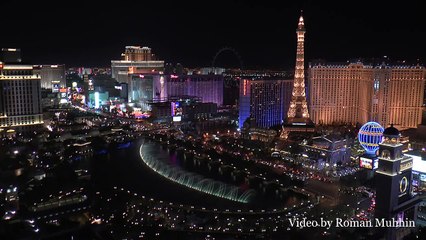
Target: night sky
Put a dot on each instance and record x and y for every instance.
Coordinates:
(262, 32)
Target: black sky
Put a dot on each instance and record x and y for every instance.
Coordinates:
(263, 32)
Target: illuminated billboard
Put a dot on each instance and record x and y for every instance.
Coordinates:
(368, 163)
(176, 109)
(63, 93)
(97, 100)
(55, 88)
(177, 118)
(419, 165)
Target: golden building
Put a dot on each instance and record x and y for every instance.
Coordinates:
(358, 92)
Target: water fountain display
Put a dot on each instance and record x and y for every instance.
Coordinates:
(196, 181)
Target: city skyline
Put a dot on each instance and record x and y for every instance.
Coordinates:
(131, 121)
(262, 33)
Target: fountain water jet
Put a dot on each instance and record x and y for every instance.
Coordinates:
(196, 181)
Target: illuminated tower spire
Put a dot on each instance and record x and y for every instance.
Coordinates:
(298, 104)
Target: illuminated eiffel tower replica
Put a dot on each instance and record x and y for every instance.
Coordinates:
(298, 116)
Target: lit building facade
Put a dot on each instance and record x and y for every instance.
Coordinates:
(419, 169)
(142, 89)
(327, 151)
(183, 108)
(266, 101)
(209, 88)
(135, 60)
(249, 131)
(398, 96)
(52, 76)
(20, 97)
(137, 53)
(146, 88)
(357, 92)
(340, 93)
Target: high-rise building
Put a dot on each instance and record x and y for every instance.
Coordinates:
(209, 88)
(137, 53)
(52, 76)
(136, 60)
(395, 200)
(424, 95)
(20, 97)
(298, 115)
(398, 95)
(265, 101)
(358, 93)
(231, 78)
(340, 93)
(142, 89)
(147, 87)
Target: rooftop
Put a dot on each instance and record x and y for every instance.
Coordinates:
(368, 63)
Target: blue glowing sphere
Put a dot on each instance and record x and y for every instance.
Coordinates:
(370, 135)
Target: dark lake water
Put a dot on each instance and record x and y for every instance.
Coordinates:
(124, 168)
